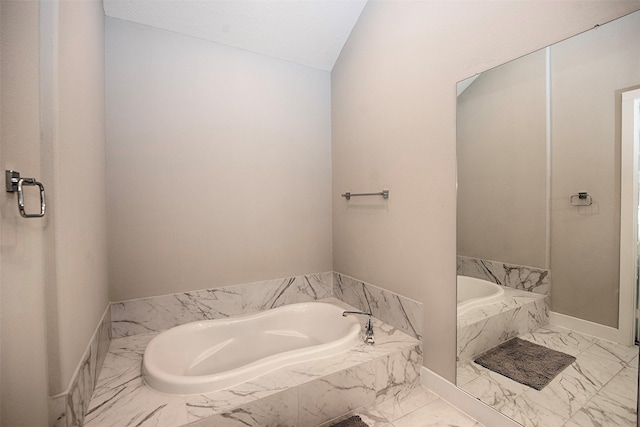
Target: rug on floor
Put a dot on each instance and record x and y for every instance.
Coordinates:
(354, 421)
(525, 362)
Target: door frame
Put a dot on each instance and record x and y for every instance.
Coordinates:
(629, 151)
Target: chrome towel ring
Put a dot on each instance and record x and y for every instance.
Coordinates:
(14, 184)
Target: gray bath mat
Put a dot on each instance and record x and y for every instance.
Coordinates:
(525, 362)
(354, 421)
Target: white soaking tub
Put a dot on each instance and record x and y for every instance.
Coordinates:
(210, 355)
(474, 293)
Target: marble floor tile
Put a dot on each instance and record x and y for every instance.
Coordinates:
(634, 362)
(404, 402)
(624, 384)
(437, 413)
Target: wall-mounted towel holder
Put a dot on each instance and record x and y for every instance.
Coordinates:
(383, 193)
(581, 199)
(14, 184)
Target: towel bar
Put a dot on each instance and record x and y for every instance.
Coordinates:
(383, 193)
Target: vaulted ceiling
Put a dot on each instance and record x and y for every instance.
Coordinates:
(307, 32)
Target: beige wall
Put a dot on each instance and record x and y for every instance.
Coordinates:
(78, 194)
(393, 125)
(23, 350)
(219, 164)
(502, 164)
(587, 74)
(54, 282)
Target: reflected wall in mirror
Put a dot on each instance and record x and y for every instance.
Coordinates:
(532, 135)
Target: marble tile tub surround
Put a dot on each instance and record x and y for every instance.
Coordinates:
(305, 394)
(531, 279)
(156, 314)
(396, 310)
(485, 327)
(69, 409)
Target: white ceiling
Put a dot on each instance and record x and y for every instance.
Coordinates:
(307, 32)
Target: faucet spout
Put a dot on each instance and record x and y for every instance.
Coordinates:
(368, 328)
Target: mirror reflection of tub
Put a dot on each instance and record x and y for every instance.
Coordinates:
(474, 293)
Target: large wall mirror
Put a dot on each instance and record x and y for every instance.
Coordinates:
(548, 231)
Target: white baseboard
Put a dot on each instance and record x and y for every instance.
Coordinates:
(464, 401)
(586, 327)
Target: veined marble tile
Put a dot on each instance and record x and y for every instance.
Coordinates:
(58, 410)
(372, 417)
(436, 413)
(530, 414)
(396, 373)
(468, 371)
(494, 390)
(206, 405)
(578, 383)
(513, 299)
(560, 339)
(479, 337)
(614, 351)
(531, 279)
(278, 410)
(566, 394)
(634, 362)
(102, 342)
(336, 394)
(156, 314)
(624, 384)
(266, 295)
(490, 271)
(605, 410)
(121, 398)
(404, 401)
(133, 403)
(80, 391)
(159, 313)
(401, 312)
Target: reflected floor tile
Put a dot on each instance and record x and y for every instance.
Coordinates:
(436, 413)
(574, 386)
(560, 339)
(530, 414)
(612, 351)
(494, 391)
(469, 372)
(605, 410)
(373, 417)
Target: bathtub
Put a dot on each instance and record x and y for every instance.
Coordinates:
(210, 355)
(474, 293)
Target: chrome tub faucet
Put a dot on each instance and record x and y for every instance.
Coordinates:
(368, 328)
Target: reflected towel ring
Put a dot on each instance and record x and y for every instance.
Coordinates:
(581, 199)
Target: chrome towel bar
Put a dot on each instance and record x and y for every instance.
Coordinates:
(14, 184)
(383, 193)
